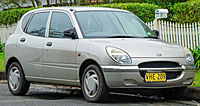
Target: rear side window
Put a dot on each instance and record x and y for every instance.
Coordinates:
(37, 26)
(59, 22)
(25, 20)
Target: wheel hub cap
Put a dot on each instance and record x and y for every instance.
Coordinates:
(91, 83)
(14, 78)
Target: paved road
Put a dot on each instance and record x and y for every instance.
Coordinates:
(50, 96)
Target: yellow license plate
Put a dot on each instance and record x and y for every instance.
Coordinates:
(155, 77)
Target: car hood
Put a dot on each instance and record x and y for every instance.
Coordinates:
(144, 47)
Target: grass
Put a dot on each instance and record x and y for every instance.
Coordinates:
(196, 82)
(2, 62)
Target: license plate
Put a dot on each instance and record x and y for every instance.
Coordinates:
(155, 77)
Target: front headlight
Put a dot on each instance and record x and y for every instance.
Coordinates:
(118, 55)
(188, 56)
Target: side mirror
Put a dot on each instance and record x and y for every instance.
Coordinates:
(70, 32)
(156, 32)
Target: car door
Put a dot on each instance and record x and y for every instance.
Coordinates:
(30, 44)
(59, 50)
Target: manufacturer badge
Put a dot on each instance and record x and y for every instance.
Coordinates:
(158, 54)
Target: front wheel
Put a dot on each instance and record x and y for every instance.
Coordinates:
(17, 83)
(93, 84)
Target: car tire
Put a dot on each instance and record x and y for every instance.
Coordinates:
(17, 83)
(93, 84)
(174, 93)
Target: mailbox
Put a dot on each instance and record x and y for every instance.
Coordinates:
(161, 13)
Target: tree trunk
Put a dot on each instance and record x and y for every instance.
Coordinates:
(37, 2)
(74, 2)
(16, 4)
(60, 2)
(33, 3)
(56, 2)
(90, 2)
(70, 2)
(48, 4)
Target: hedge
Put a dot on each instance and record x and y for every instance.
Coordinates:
(186, 12)
(9, 17)
(162, 3)
(144, 11)
(196, 55)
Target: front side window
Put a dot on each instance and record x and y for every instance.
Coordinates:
(37, 25)
(111, 24)
(59, 22)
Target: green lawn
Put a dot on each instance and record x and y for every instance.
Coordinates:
(2, 62)
(196, 82)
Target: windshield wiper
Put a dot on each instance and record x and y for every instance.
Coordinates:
(151, 37)
(123, 36)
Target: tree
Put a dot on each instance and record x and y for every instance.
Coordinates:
(37, 2)
(56, 2)
(60, 2)
(33, 3)
(15, 2)
(48, 4)
(10, 3)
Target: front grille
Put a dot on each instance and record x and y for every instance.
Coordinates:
(159, 64)
(170, 75)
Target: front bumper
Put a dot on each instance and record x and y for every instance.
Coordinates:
(130, 77)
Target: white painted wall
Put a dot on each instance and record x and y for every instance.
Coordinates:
(5, 31)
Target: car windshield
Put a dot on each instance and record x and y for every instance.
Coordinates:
(112, 24)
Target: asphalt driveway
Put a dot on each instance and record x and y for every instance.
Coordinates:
(47, 95)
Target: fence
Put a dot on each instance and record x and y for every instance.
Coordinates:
(186, 34)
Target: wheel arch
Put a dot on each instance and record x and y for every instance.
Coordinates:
(9, 62)
(85, 64)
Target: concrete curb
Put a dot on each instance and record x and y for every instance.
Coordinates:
(2, 75)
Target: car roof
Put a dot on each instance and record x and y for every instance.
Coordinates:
(78, 8)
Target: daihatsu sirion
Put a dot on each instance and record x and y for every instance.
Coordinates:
(98, 49)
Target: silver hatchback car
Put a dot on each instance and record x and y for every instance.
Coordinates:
(98, 49)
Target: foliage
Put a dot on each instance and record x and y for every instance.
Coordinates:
(12, 3)
(162, 3)
(196, 82)
(2, 68)
(143, 10)
(12, 16)
(196, 55)
(2, 45)
(186, 12)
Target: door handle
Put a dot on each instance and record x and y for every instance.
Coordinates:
(49, 43)
(22, 40)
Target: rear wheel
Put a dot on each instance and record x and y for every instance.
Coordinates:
(17, 83)
(174, 93)
(93, 84)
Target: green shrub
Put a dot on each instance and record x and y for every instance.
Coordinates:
(162, 3)
(12, 16)
(186, 12)
(143, 10)
(196, 55)
(2, 45)
(128, 1)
